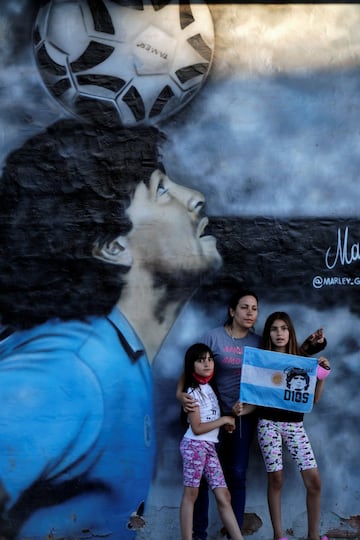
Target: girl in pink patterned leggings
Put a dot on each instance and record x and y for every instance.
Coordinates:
(278, 426)
(198, 444)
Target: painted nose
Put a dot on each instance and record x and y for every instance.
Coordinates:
(192, 199)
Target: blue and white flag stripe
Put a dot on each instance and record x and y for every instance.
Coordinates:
(278, 380)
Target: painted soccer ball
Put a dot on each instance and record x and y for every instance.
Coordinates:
(126, 64)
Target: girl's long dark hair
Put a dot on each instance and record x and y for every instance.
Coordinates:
(195, 351)
(292, 347)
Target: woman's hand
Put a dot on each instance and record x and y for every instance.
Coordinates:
(239, 409)
(317, 337)
(188, 403)
(315, 343)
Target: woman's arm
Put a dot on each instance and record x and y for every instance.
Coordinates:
(314, 343)
(188, 403)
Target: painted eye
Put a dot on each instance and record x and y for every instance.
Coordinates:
(161, 189)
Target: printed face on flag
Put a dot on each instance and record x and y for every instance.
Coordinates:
(279, 380)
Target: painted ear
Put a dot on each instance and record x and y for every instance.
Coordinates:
(116, 251)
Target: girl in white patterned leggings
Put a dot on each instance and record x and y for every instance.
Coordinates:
(278, 426)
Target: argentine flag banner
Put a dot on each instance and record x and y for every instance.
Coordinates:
(279, 380)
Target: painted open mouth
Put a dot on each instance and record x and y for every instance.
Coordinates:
(200, 231)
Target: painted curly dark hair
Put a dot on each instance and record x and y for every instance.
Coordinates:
(61, 192)
(297, 372)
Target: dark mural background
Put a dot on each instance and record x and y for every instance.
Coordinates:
(272, 140)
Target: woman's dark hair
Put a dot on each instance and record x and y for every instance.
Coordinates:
(292, 347)
(61, 192)
(235, 299)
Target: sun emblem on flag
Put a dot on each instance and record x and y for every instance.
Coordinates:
(277, 378)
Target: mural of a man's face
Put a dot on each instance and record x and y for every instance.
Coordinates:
(168, 228)
(298, 382)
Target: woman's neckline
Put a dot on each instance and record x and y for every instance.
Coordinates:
(229, 331)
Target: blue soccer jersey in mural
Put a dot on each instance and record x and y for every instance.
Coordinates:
(80, 396)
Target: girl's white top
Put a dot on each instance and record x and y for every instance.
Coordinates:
(209, 410)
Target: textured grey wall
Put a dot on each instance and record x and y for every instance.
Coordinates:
(274, 134)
